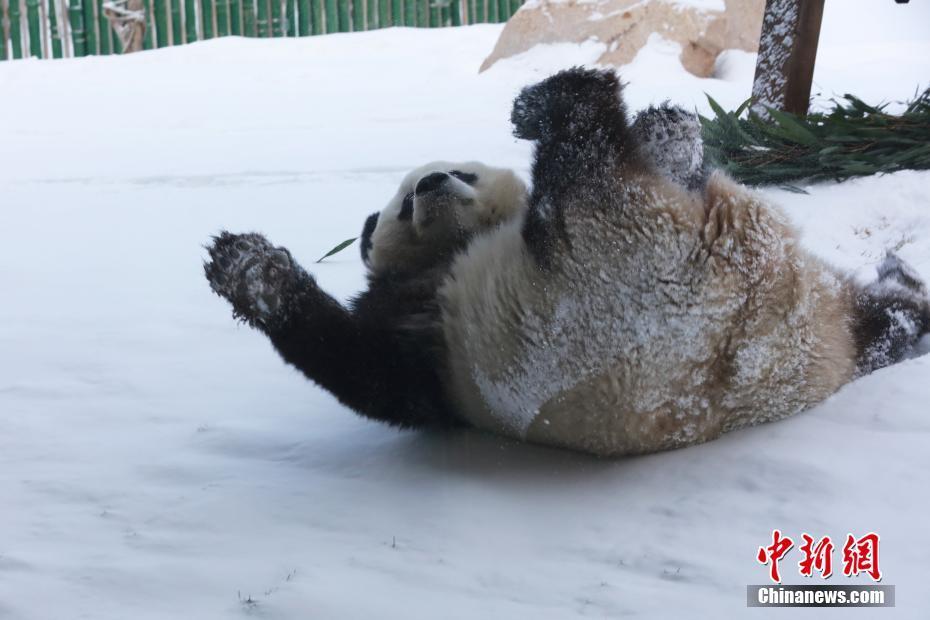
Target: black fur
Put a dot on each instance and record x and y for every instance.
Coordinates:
(466, 177)
(578, 120)
(371, 222)
(381, 356)
(891, 315)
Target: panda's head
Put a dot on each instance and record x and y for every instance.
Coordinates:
(438, 208)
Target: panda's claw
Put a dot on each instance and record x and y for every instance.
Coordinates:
(254, 276)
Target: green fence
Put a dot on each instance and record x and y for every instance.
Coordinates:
(64, 28)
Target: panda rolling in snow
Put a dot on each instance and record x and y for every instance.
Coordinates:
(620, 307)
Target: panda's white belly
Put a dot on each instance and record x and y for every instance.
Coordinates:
(642, 353)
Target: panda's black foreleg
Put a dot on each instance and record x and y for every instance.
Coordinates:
(891, 315)
(369, 365)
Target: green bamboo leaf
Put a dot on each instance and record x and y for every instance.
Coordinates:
(793, 128)
(338, 248)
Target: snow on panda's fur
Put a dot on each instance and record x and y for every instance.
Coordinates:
(622, 310)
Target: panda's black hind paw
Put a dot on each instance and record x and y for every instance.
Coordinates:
(571, 101)
(254, 276)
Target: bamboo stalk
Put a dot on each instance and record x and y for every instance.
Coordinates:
(248, 18)
(276, 25)
(410, 13)
(235, 17)
(434, 16)
(4, 20)
(90, 28)
(384, 13)
(161, 23)
(16, 33)
(190, 21)
(455, 10)
(397, 13)
(481, 12)
(303, 18)
(316, 16)
(222, 18)
(76, 20)
(371, 14)
(147, 34)
(177, 28)
(343, 16)
(261, 23)
(422, 13)
(103, 27)
(444, 16)
(331, 18)
(290, 16)
(358, 14)
(54, 29)
(206, 18)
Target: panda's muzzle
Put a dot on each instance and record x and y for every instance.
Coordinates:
(431, 182)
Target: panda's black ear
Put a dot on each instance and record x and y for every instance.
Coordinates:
(365, 243)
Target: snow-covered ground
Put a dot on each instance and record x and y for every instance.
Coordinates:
(159, 461)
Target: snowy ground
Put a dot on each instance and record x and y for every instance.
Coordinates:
(159, 461)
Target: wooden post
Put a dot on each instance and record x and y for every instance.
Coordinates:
(787, 51)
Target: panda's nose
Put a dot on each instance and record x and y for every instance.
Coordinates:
(430, 182)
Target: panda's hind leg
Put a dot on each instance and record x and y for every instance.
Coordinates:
(891, 315)
(577, 120)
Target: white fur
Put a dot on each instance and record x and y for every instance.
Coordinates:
(675, 320)
(497, 195)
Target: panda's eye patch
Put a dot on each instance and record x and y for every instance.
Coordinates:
(466, 177)
(406, 209)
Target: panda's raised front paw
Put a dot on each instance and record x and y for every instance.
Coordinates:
(256, 277)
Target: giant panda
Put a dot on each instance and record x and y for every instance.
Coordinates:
(614, 309)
